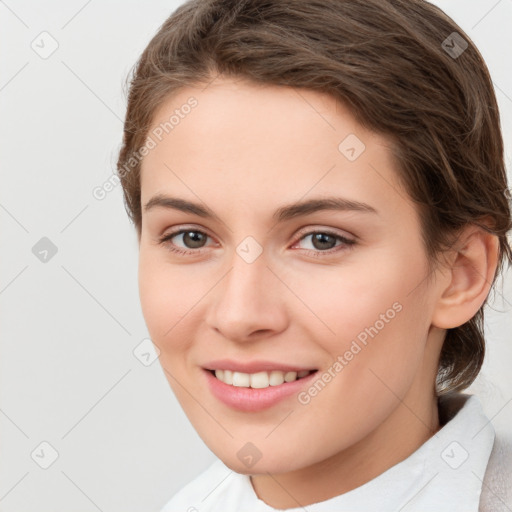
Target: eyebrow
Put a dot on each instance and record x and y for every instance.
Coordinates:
(282, 214)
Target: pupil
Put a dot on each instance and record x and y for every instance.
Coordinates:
(322, 238)
(195, 238)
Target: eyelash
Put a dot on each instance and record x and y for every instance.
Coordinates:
(348, 243)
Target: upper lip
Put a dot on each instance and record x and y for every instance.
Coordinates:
(253, 366)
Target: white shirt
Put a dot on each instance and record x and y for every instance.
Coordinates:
(443, 474)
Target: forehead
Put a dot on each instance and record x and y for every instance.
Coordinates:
(238, 109)
(241, 136)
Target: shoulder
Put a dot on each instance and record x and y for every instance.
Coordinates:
(191, 497)
(496, 490)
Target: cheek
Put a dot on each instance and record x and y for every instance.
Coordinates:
(152, 293)
(348, 299)
(377, 317)
(172, 301)
(162, 296)
(378, 359)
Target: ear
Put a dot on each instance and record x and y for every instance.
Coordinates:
(470, 274)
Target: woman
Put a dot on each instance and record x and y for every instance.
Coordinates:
(321, 203)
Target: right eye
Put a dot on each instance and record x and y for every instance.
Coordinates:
(190, 237)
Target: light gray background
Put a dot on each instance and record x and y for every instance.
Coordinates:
(68, 373)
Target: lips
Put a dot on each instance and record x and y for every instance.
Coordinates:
(233, 383)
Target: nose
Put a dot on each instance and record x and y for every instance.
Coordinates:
(249, 302)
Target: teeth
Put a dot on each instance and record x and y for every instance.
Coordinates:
(276, 378)
(290, 376)
(228, 377)
(241, 380)
(258, 380)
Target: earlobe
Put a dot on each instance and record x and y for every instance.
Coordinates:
(472, 272)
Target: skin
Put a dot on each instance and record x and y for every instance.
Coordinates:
(243, 152)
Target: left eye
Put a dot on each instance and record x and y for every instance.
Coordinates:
(323, 240)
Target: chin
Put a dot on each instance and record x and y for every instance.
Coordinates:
(260, 468)
(275, 463)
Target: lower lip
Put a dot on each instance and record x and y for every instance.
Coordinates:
(252, 399)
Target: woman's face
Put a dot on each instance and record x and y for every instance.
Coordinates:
(269, 287)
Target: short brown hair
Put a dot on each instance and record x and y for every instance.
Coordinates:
(402, 72)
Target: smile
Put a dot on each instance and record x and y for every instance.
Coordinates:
(258, 390)
(259, 380)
